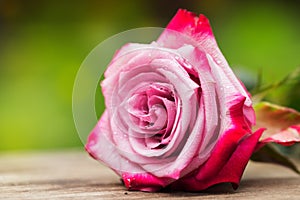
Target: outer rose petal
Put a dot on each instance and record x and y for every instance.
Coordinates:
(229, 157)
(101, 147)
(188, 29)
(219, 170)
(144, 182)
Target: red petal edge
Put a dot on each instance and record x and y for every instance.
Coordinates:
(188, 22)
(229, 157)
(231, 169)
(144, 182)
(187, 28)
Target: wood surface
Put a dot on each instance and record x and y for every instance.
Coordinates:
(72, 174)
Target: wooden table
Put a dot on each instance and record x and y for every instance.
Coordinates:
(72, 174)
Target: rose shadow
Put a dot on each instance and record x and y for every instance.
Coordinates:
(222, 188)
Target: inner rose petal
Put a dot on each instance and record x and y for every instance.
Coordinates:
(153, 108)
(152, 111)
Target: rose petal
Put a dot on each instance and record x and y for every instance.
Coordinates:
(144, 182)
(229, 157)
(220, 169)
(187, 29)
(101, 147)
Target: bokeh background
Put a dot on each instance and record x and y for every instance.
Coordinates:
(43, 43)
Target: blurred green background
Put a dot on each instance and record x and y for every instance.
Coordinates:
(42, 44)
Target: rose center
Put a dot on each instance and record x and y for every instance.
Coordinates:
(152, 110)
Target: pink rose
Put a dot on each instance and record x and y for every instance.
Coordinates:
(176, 115)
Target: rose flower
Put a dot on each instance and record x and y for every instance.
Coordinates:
(176, 115)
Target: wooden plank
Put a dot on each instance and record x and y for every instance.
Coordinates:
(74, 175)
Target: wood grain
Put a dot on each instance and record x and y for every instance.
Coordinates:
(72, 174)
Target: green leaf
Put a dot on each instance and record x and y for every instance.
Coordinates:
(260, 91)
(270, 154)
